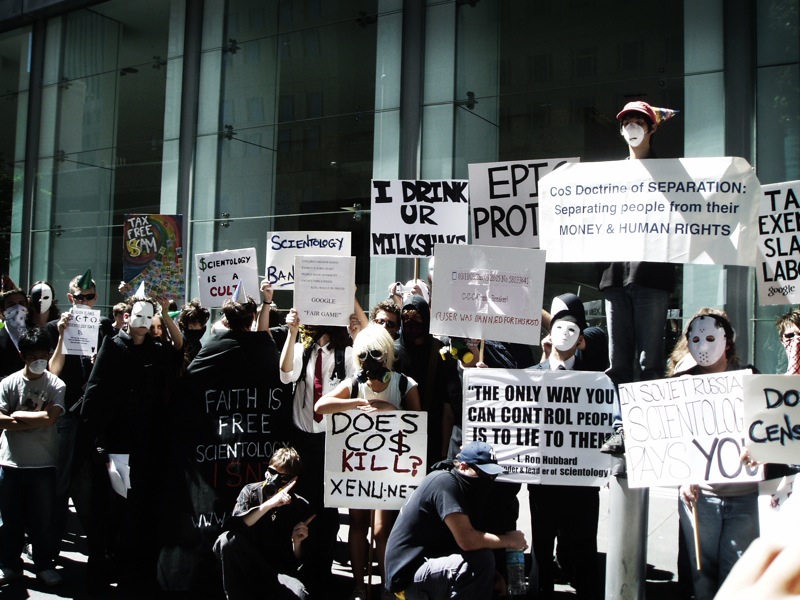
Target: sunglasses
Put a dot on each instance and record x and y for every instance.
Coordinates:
(82, 297)
(281, 477)
(387, 323)
(373, 354)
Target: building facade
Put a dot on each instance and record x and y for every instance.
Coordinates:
(247, 116)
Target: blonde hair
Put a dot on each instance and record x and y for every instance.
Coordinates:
(373, 337)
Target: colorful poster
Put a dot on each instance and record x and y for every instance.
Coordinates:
(688, 210)
(772, 417)
(153, 252)
(283, 246)
(545, 426)
(491, 293)
(778, 267)
(374, 460)
(219, 273)
(504, 201)
(409, 217)
(685, 430)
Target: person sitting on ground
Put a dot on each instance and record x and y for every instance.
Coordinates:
(375, 388)
(261, 547)
(436, 548)
(31, 401)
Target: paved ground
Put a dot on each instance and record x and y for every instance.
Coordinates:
(662, 552)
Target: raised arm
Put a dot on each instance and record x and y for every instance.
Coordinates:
(263, 314)
(287, 353)
(56, 362)
(175, 335)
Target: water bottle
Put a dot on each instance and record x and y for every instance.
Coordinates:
(515, 567)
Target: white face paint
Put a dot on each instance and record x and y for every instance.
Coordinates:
(142, 315)
(45, 297)
(633, 134)
(564, 335)
(707, 341)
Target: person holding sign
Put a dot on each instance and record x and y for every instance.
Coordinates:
(636, 293)
(437, 548)
(375, 388)
(261, 547)
(569, 512)
(725, 514)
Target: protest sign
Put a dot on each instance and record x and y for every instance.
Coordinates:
(153, 252)
(283, 246)
(545, 426)
(772, 417)
(488, 293)
(374, 460)
(325, 289)
(779, 510)
(80, 336)
(778, 267)
(504, 201)
(409, 217)
(685, 430)
(218, 274)
(689, 210)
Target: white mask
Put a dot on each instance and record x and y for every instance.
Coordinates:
(707, 341)
(15, 321)
(37, 367)
(564, 335)
(633, 134)
(45, 297)
(142, 315)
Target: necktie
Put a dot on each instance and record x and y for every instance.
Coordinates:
(318, 383)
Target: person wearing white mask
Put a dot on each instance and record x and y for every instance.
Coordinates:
(31, 401)
(727, 513)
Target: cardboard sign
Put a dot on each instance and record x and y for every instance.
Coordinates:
(325, 289)
(374, 460)
(488, 293)
(690, 210)
(409, 217)
(153, 252)
(80, 336)
(504, 201)
(772, 417)
(545, 426)
(778, 268)
(283, 246)
(685, 430)
(218, 274)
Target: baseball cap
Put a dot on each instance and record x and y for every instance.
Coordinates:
(568, 307)
(656, 114)
(481, 456)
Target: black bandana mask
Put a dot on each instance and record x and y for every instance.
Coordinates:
(193, 336)
(476, 489)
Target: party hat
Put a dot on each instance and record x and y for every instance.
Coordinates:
(85, 282)
(140, 293)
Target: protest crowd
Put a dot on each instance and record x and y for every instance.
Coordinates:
(196, 452)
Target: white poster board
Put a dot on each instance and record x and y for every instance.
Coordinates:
(325, 289)
(685, 430)
(218, 274)
(80, 336)
(772, 417)
(688, 210)
(778, 267)
(374, 460)
(504, 201)
(488, 293)
(545, 426)
(283, 246)
(409, 216)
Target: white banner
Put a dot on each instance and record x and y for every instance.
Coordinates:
(408, 217)
(283, 246)
(685, 430)
(689, 210)
(80, 336)
(545, 426)
(488, 293)
(772, 417)
(504, 201)
(325, 289)
(218, 274)
(374, 460)
(778, 268)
